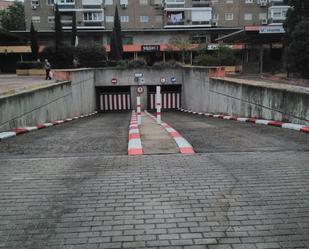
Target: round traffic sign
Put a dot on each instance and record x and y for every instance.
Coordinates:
(140, 89)
(162, 80)
(114, 81)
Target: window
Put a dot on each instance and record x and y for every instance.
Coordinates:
(51, 19)
(124, 18)
(228, 16)
(66, 1)
(229, 1)
(143, 18)
(35, 19)
(109, 18)
(248, 17)
(158, 19)
(143, 2)
(248, 1)
(123, 2)
(50, 2)
(108, 2)
(93, 16)
(262, 16)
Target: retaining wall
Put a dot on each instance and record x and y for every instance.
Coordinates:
(245, 98)
(59, 101)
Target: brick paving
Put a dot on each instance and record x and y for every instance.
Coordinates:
(233, 200)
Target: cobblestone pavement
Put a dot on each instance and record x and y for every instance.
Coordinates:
(85, 199)
(217, 135)
(100, 134)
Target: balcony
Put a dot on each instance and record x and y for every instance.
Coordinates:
(188, 17)
(201, 3)
(277, 14)
(92, 3)
(174, 4)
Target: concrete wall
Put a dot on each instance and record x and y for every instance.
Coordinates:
(125, 77)
(244, 98)
(50, 103)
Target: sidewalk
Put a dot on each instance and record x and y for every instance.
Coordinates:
(11, 84)
(155, 139)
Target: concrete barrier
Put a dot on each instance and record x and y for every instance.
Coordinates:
(246, 98)
(47, 103)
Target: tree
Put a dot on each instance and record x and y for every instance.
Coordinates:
(74, 30)
(299, 11)
(58, 29)
(183, 45)
(13, 18)
(296, 17)
(34, 43)
(299, 48)
(116, 39)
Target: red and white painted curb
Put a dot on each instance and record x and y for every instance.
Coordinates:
(184, 146)
(297, 127)
(19, 131)
(135, 144)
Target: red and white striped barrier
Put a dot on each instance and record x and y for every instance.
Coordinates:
(184, 146)
(297, 127)
(168, 100)
(19, 131)
(139, 110)
(158, 104)
(135, 143)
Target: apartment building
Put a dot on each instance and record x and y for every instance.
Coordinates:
(149, 25)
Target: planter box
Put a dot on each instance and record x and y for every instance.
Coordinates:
(22, 72)
(233, 69)
(33, 72)
(30, 72)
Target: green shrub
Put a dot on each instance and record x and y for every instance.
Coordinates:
(167, 64)
(206, 60)
(92, 55)
(137, 63)
(87, 56)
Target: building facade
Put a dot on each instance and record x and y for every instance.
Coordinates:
(149, 25)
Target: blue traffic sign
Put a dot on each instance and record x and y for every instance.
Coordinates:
(173, 79)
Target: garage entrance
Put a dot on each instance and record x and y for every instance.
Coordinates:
(113, 98)
(171, 97)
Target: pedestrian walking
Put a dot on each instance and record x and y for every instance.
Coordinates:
(47, 68)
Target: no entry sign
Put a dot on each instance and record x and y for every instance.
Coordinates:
(140, 89)
(114, 81)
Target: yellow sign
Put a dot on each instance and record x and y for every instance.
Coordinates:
(15, 49)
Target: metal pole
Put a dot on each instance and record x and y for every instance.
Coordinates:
(158, 104)
(139, 114)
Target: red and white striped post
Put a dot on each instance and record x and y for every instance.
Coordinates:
(139, 112)
(158, 104)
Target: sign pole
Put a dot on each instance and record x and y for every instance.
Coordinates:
(139, 113)
(158, 104)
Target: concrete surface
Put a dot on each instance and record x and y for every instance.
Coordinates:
(10, 83)
(224, 136)
(99, 134)
(60, 188)
(155, 139)
(49, 102)
(246, 98)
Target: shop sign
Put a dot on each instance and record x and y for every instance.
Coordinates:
(150, 48)
(271, 30)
